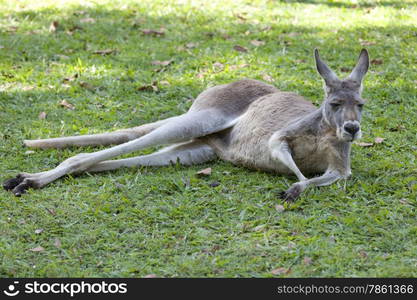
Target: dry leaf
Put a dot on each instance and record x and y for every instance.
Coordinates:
(279, 208)
(266, 28)
(379, 140)
(57, 243)
(205, 172)
(280, 271)
(239, 16)
(307, 260)
(226, 36)
(346, 70)
(51, 211)
(38, 231)
(218, 66)
(191, 45)
(149, 87)
(240, 48)
(362, 144)
(363, 254)
(267, 78)
(153, 32)
(37, 249)
(235, 67)
(404, 201)
(54, 26)
(366, 43)
(71, 78)
(257, 43)
(87, 86)
(150, 276)
(377, 61)
(161, 63)
(66, 104)
(87, 20)
(104, 52)
(28, 88)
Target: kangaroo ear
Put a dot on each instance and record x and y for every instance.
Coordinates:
(328, 75)
(361, 67)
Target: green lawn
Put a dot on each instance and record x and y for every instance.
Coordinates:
(166, 221)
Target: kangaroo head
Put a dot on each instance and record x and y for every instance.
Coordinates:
(342, 107)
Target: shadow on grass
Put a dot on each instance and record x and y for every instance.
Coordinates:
(361, 4)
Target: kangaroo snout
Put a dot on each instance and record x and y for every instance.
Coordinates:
(351, 128)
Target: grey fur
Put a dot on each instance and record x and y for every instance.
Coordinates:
(247, 122)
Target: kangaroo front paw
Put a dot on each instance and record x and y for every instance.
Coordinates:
(292, 193)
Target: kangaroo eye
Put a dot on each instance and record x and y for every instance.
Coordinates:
(335, 105)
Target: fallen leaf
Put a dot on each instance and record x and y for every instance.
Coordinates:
(37, 249)
(239, 16)
(366, 43)
(87, 20)
(235, 67)
(150, 276)
(363, 254)
(87, 86)
(346, 70)
(307, 261)
(379, 140)
(191, 45)
(28, 88)
(42, 115)
(66, 104)
(153, 32)
(54, 26)
(73, 29)
(218, 66)
(257, 43)
(51, 211)
(161, 63)
(266, 28)
(377, 61)
(280, 271)
(259, 227)
(226, 36)
(279, 208)
(104, 52)
(38, 231)
(404, 201)
(29, 152)
(240, 48)
(205, 172)
(267, 78)
(362, 144)
(149, 87)
(71, 78)
(57, 243)
(12, 29)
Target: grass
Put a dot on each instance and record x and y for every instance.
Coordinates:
(166, 221)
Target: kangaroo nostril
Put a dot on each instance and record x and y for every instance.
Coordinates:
(351, 128)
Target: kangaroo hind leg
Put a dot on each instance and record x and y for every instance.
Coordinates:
(182, 129)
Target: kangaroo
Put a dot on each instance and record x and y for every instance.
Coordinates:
(247, 122)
